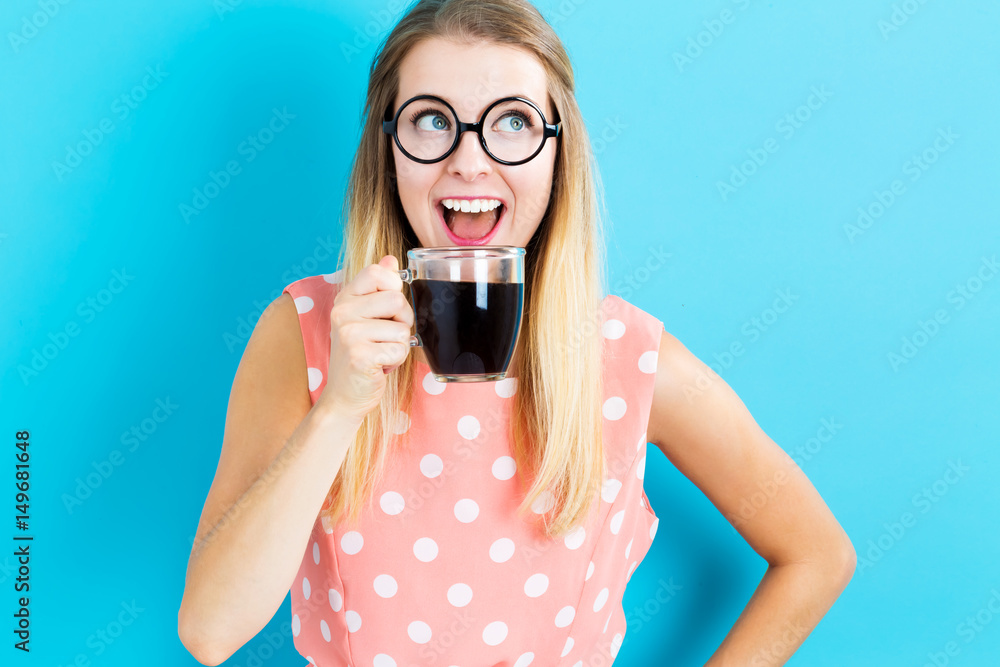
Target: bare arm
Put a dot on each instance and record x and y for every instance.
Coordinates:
(707, 432)
(279, 458)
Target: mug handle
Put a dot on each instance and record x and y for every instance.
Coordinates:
(407, 276)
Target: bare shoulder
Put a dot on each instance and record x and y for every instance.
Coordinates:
(268, 400)
(707, 432)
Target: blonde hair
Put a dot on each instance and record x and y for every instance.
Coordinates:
(556, 418)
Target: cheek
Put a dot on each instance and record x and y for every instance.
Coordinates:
(531, 192)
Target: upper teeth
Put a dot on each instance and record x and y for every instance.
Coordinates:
(471, 205)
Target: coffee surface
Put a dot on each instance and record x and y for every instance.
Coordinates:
(467, 327)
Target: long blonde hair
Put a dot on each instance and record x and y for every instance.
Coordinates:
(556, 419)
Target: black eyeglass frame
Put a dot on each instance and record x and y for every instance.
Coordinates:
(550, 130)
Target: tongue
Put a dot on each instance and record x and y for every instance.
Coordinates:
(473, 225)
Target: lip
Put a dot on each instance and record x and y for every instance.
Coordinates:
(458, 240)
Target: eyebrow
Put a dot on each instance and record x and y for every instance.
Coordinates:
(498, 97)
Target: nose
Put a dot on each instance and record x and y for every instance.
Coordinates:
(469, 159)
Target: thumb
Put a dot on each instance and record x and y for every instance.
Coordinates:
(389, 262)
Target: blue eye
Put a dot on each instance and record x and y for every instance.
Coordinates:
(429, 120)
(518, 121)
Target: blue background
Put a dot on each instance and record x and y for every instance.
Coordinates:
(667, 132)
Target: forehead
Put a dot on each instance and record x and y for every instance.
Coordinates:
(470, 76)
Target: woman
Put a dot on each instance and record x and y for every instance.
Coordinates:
(493, 523)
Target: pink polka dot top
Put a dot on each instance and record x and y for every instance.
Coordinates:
(441, 570)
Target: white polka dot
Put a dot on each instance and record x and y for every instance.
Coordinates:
(610, 489)
(296, 625)
(502, 550)
(642, 443)
(574, 540)
(506, 388)
(631, 569)
(316, 552)
(568, 647)
(641, 468)
(536, 585)
(335, 277)
(325, 629)
(466, 510)
(647, 362)
(628, 548)
(353, 621)
(306, 588)
(382, 660)
(525, 659)
(602, 599)
(392, 503)
(495, 633)
(616, 644)
(352, 542)
(402, 423)
(425, 549)
(565, 617)
(419, 632)
(385, 586)
(315, 378)
(468, 427)
(652, 529)
(614, 408)
(459, 595)
(327, 526)
(616, 521)
(303, 304)
(311, 661)
(504, 468)
(336, 600)
(613, 329)
(607, 622)
(431, 465)
(578, 663)
(590, 571)
(432, 386)
(543, 503)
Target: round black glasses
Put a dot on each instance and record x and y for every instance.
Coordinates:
(512, 130)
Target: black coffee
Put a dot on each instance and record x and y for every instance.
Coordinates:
(467, 327)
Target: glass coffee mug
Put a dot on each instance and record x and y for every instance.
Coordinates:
(467, 306)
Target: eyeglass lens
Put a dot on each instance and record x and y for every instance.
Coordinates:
(513, 130)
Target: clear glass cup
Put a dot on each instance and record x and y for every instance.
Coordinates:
(467, 305)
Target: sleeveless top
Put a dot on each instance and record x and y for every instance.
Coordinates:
(441, 570)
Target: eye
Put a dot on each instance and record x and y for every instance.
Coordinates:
(429, 120)
(514, 121)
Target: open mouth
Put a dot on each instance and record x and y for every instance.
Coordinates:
(471, 222)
